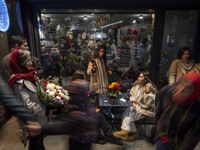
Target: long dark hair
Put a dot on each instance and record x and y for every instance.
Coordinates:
(181, 52)
(96, 52)
(147, 77)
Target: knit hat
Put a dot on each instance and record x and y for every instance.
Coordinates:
(194, 77)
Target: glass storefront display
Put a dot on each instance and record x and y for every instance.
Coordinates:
(68, 40)
(179, 31)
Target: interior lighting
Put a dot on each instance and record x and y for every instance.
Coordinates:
(85, 18)
(99, 35)
(112, 24)
(141, 17)
(134, 21)
(58, 27)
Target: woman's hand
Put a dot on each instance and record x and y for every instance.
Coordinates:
(134, 106)
(99, 91)
(33, 128)
(97, 110)
(148, 87)
(94, 67)
(51, 113)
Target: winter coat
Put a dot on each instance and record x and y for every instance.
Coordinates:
(98, 79)
(145, 101)
(26, 91)
(178, 68)
(5, 67)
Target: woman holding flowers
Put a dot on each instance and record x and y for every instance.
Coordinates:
(142, 95)
(22, 82)
(97, 70)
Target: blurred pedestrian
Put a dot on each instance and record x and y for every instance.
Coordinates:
(178, 114)
(80, 123)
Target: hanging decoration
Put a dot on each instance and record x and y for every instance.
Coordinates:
(4, 17)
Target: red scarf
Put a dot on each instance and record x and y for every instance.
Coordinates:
(20, 71)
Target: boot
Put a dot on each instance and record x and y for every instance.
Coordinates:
(132, 136)
(123, 134)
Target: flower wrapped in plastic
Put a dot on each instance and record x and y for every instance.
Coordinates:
(51, 94)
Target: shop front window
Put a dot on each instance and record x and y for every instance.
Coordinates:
(68, 40)
(179, 31)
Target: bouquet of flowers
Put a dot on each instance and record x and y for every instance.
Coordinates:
(51, 94)
(113, 89)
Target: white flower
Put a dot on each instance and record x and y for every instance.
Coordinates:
(58, 97)
(51, 93)
(61, 94)
(58, 87)
(50, 86)
(65, 92)
(47, 91)
(66, 97)
(59, 91)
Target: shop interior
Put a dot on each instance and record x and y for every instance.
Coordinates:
(68, 39)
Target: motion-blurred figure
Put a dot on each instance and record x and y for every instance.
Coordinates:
(13, 104)
(178, 114)
(80, 122)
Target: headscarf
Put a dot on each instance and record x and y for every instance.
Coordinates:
(19, 70)
(194, 77)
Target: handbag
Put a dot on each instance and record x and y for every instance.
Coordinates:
(151, 135)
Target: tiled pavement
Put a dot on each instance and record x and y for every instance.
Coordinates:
(9, 140)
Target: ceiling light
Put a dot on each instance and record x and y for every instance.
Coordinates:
(141, 17)
(99, 35)
(134, 21)
(85, 18)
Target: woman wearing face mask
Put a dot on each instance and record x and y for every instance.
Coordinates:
(97, 70)
(178, 114)
(181, 65)
(23, 84)
(142, 95)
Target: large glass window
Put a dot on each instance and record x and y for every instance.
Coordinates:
(68, 39)
(179, 31)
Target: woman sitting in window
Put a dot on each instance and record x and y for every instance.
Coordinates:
(142, 95)
(181, 65)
